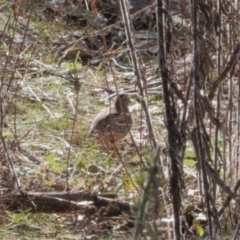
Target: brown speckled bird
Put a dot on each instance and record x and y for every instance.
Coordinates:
(112, 123)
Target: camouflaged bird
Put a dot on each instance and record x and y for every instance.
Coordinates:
(112, 123)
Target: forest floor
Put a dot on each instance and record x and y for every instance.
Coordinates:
(59, 64)
(53, 93)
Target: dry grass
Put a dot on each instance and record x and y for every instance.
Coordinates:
(52, 85)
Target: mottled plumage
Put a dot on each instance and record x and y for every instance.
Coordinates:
(112, 123)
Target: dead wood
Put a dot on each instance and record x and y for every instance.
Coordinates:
(58, 201)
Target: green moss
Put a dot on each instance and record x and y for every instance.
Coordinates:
(55, 164)
(71, 65)
(58, 124)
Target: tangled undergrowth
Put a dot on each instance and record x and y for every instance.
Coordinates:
(60, 62)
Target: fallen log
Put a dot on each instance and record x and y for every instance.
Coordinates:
(58, 201)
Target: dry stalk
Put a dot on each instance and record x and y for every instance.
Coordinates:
(138, 69)
(175, 142)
